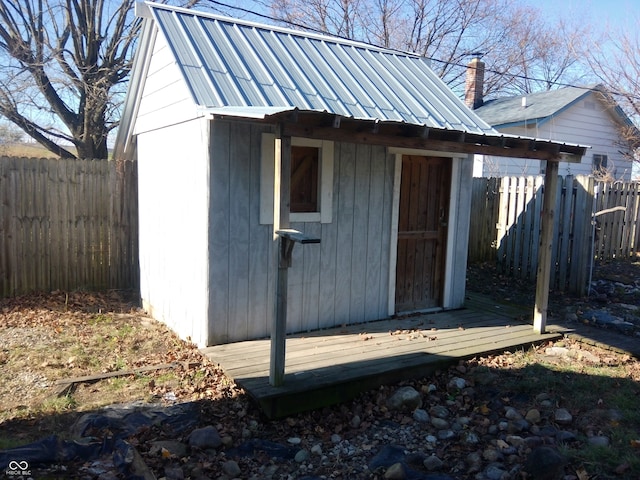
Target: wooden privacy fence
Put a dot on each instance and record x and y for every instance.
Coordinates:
(67, 224)
(593, 220)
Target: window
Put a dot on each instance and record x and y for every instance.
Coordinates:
(304, 179)
(311, 180)
(599, 162)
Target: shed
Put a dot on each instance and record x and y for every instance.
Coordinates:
(252, 137)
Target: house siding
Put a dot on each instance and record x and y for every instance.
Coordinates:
(173, 191)
(586, 123)
(342, 280)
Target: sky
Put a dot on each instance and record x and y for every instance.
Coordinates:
(606, 13)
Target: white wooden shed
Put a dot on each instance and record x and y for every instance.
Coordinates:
(242, 130)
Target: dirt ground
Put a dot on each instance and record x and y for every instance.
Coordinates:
(46, 340)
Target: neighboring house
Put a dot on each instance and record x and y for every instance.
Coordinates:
(242, 129)
(585, 116)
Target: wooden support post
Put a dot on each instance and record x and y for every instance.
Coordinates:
(546, 245)
(279, 326)
(286, 241)
(282, 203)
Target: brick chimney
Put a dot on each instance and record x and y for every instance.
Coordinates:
(474, 83)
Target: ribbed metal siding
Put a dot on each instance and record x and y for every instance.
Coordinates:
(228, 64)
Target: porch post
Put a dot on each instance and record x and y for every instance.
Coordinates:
(279, 325)
(546, 244)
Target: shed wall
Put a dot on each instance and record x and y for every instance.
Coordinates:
(342, 280)
(173, 199)
(165, 98)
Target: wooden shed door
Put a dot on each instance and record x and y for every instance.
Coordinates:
(422, 232)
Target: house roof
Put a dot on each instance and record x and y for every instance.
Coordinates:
(242, 69)
(541, 107)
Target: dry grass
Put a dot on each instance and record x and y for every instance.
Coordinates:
(47, 338)
(27, 150)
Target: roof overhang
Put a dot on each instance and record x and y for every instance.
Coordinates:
(323, 125)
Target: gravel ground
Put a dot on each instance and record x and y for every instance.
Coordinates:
(500, 417)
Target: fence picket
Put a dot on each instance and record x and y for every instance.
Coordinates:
(517, 226)
(59, 228)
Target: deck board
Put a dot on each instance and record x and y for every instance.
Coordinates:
(334, 365)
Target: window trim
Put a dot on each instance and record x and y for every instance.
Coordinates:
(267, 180)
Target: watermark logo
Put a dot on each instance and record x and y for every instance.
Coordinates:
(18, 468)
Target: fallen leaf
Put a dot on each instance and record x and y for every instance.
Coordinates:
(582, 474)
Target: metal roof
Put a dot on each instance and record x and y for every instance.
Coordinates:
(251, 70)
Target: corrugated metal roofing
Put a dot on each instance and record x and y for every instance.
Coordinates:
(248, 69)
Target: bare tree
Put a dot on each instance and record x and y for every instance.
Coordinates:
(614, 59)
(517, 45)
(62, 61)
(63, 67)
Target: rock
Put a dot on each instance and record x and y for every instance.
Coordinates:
(564, 436)
(173, 473)
(494, 472)
(470, 438)
(533, 416)
(599, 441)
(231, 468)
(420, 415)
(405, 398)
(439, 423)
(302, 456)
(395, 472)
(174, 448)
(587, 357)
(517, 426)
(432, 463)
(294, 440)
(556, 352)
(562, 416)
(545, 463)
(541, 397)
(512, 414)
(515, 440)
(356, 421)
(463, 421)
(491, 455)
(446, 434)
(316, 449)
(457, 383)
(439, 411)
(431, 439)
(335, 438)
(206, 437)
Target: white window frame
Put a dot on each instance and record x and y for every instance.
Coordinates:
(268, 180)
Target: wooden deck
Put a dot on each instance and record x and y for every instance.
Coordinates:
(334, 365)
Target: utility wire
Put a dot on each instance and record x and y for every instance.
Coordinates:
(454, 64)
